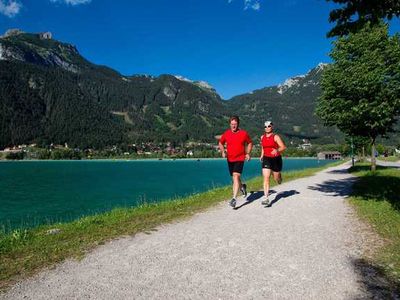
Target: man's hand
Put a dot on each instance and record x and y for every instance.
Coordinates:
(247, 157)
(223, 154)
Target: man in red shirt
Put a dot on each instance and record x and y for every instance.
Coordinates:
(238, 148)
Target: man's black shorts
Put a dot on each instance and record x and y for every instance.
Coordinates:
(235, 166)
(273, 163)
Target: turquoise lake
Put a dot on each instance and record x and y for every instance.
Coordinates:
(42, 192)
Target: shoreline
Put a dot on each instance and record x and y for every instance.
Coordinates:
(143, 159)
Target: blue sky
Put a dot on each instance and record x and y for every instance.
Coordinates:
(235, 45)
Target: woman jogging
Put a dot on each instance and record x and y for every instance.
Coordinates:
(271, 160)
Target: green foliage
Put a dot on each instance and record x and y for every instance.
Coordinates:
(65, 154)
(15, 155)
(43, 154)
(296, 152)
(361, 145)
(365, 11)
(361, 89)
(48, 105)
(380, 148)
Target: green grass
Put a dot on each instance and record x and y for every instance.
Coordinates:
(376, 197)
(390, 158)
(24, 252)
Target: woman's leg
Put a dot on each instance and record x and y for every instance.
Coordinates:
(277, 177)
(277, 168)
(266, 174)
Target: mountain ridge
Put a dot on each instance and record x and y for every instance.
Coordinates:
(164, 108)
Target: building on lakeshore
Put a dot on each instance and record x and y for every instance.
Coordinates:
(329, 155)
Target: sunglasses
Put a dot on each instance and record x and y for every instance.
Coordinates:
(268, 126)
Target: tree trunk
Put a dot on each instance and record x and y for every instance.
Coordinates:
(373, 158)
(363, 153)
(352, 152)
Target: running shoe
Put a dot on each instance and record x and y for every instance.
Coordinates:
(232, 202)
(243, 189)
(265, 201)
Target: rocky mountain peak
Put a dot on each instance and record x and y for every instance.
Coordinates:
(46, 35)
(305, 80)
(12, 32)
(202, 84)
(40, 49)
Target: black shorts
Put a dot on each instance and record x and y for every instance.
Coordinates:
(273, 163)
(235, 166)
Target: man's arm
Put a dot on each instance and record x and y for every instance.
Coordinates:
(222, 149)
(248, 150)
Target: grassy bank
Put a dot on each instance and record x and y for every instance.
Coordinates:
(376, 197)
(24, 252)
(390, 158)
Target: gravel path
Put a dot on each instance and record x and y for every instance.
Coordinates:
(307, 245)
(395, 164)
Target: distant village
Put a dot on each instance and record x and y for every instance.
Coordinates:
(146, 150)
(142, 150)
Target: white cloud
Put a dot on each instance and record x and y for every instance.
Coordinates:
(250, 4)
(73, 2)
(10, 8)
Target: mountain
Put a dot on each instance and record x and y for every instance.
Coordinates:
(290, 106)
(50, 94)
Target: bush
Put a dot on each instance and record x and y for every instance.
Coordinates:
(65, 154)
(15, 155)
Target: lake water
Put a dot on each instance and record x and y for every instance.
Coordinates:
(41, 192)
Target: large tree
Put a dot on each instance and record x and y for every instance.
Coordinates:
(354, 14)
(361, 88)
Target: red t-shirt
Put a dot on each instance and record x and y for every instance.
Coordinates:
(269, 144)
(235, 144)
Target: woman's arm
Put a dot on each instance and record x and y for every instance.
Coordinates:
(281, 145)
(262, 149)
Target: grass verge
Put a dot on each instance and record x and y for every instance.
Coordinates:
(376, 197)
(390, 158)
(24, 252)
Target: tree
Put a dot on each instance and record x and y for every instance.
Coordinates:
(367, 11)
(361, 88)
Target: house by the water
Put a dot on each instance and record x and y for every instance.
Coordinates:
(329, 155)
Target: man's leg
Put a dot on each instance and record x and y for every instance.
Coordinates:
(231, 167)
(236, 183)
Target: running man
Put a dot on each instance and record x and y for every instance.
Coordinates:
(271, 160)
(238, 149)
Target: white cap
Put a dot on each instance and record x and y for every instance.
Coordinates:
(267, 123)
